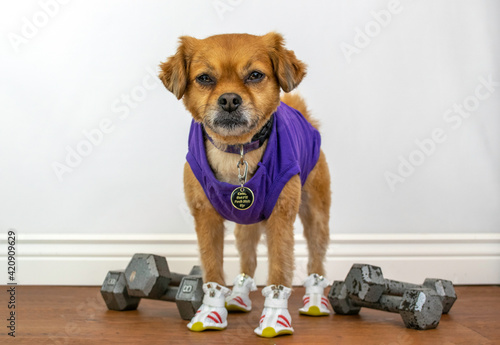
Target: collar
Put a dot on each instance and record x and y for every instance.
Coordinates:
(256, 142)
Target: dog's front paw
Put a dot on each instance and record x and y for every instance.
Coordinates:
(212, 314)
(275, 319)
(239, 300)
(315, 303)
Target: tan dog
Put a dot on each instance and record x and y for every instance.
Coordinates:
(231, 85)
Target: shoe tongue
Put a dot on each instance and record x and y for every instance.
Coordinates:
(316, 280)
(215, 295)
(276, 292)
(215, 290)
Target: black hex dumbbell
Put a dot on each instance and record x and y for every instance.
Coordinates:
(368, 284)
(420, 308)
(148, 276)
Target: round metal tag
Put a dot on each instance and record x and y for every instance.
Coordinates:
(242, 198)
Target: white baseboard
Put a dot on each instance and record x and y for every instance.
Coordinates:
(83, 259)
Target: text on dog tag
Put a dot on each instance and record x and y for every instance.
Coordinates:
(242, 198)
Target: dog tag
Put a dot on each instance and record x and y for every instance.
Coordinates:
(242, 198)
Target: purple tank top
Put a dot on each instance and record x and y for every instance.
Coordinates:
(293, 148)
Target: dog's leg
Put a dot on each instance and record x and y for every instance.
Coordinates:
(280, 236)
(275, 319)
(210, 231)
(209, 227)
(247, 239)
(315, 215)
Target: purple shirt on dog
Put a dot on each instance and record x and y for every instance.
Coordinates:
(293, 148)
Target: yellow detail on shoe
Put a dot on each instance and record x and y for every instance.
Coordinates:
(270, 332)
(234, 307)
(313, 311)
(198, 327)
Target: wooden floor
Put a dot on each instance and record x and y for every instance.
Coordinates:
(77, 315)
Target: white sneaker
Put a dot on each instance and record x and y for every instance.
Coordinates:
(239, 300)
(212, 314)
(315, 303)
(275, 319)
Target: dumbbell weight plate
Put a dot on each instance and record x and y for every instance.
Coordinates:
(189, 296)
(339, 300)
(147, 275)
(421, 308)
(114, 292)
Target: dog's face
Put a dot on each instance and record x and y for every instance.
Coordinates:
(231, 83)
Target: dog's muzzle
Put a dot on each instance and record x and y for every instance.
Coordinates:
(230, 120)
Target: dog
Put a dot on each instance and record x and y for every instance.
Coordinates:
(254, 158)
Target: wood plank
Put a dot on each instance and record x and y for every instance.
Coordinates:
(77, 315)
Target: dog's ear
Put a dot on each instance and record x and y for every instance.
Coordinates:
(174, 72)
(288, 69)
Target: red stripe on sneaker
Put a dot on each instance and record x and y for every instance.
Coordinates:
(324, 299)
(218, 316)
(326, 305)
(212, 318)
(282, 324)
(199, 311)
(240, 301)
(262, 318)
(284, 319)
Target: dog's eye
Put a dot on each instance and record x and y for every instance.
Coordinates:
(255, 76)
(204, 79)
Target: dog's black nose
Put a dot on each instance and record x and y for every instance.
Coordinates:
(230, 101)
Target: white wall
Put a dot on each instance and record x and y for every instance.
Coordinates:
(68, 68)
(74, 70)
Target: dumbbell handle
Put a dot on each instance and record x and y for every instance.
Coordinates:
(397, 288)
(170, 294)
(385, 303)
